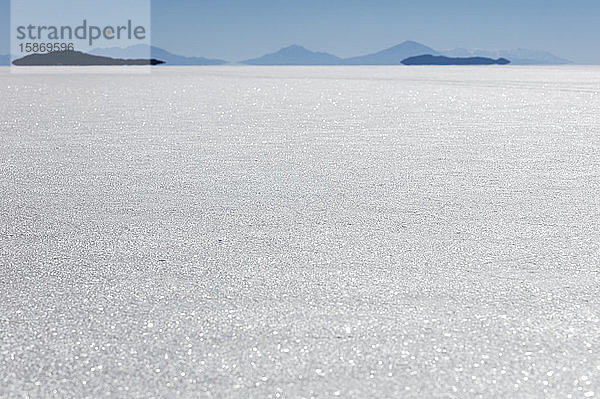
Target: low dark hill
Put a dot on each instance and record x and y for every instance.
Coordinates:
(72, 58)
(429, 59)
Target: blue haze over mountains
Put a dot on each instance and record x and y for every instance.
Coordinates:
(142, 51)
(298, 55)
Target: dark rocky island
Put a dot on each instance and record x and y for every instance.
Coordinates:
(429, 59)
(71, 58)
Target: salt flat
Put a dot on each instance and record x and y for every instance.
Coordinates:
(257, 232)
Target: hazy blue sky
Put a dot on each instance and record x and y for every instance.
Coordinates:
(238, 29)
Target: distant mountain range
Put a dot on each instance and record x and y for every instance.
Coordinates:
(145, 51)
(298, 55)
